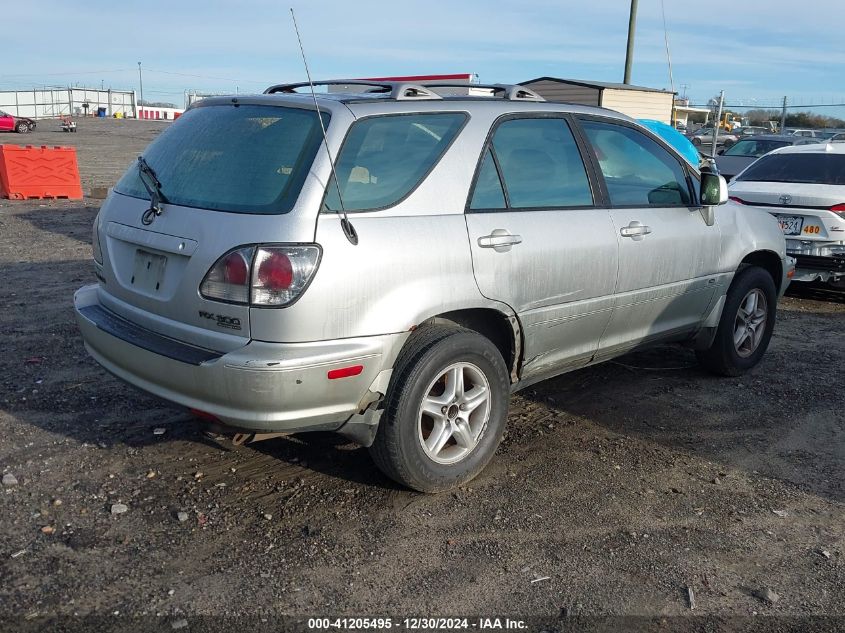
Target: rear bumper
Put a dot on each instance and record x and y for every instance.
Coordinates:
(275, 387)
(822, 263)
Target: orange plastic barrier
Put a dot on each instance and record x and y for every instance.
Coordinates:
(39, 172)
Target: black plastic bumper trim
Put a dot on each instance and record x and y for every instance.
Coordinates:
(834, 263)
(133, 334)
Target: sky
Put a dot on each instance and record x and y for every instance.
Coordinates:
(757, 51)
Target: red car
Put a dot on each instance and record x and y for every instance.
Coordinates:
(20, 124)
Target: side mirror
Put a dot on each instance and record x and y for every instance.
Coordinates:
(714, 189)
(720, 152)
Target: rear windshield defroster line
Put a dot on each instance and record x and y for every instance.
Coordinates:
(244, 159)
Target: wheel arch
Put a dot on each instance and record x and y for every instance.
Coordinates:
(768, 261)
(501, 329)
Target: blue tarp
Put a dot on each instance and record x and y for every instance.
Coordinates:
(675, 139)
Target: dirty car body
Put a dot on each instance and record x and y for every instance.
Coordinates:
(500, 241)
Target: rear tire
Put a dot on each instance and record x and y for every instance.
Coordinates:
(445, 410)
(746, 326)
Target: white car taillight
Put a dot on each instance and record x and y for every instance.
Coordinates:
(281, 273)
(261, 275)
(228, 279)
(95, 241)
(839, 209)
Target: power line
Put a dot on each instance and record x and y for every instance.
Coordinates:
(763, 106)
(168, 72)
(81, 72)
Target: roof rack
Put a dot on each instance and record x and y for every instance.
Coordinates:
(401, 90)
(507, 91)
(394, 89)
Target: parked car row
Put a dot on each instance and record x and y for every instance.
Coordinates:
(703, 138)
(745, 151)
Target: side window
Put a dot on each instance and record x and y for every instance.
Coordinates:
(488, 192)
(637, 170)
(385, 157)
(539, 166)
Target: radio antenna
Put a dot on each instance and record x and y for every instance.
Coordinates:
(345, 224)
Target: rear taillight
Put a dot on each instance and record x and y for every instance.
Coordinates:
(281, 273)
(839, 209)
(262, 275)
(736, 199)
(228, 279)
(95, 241)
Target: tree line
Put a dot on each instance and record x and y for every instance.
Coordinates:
(794, 119)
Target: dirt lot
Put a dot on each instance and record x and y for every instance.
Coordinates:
(616, 488)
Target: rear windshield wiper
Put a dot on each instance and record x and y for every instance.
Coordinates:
(154, 191)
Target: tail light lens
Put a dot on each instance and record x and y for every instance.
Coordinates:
(839, 209)
(736, 199)
(261, 275)
(228, 279)
(281, 273)
(95, 241)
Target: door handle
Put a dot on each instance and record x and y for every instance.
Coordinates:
(635, 230)
(500, 240)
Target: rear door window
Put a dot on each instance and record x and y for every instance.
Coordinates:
(384, 158)
(637, 170)
(532, 163)
(803, 167)
(244, 159)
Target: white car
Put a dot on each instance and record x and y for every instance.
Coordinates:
(803, 186)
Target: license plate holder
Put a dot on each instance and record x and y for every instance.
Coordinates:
(791, 224)
(148, 274)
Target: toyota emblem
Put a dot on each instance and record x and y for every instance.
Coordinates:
(785, 199)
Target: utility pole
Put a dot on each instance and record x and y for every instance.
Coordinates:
(782, 117)
(141, 85)
(717, 123)
(629, 55)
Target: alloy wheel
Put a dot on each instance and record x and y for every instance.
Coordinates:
(454, 413)
(750, 323)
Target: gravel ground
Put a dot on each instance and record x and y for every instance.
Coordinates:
(616, 489)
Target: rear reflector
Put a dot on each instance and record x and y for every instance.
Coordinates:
(345, 372)
(204, 415)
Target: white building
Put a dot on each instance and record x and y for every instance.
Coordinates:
(56, 102)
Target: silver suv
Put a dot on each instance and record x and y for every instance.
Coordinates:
(394, 268)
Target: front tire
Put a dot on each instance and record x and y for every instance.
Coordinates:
(445, 410)
(22, 127)
(746, 326)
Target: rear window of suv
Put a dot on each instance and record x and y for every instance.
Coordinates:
(384, 158)
(811, 168)
(244, 159)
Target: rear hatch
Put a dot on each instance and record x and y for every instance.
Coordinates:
(804, 191)
(229, 176)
